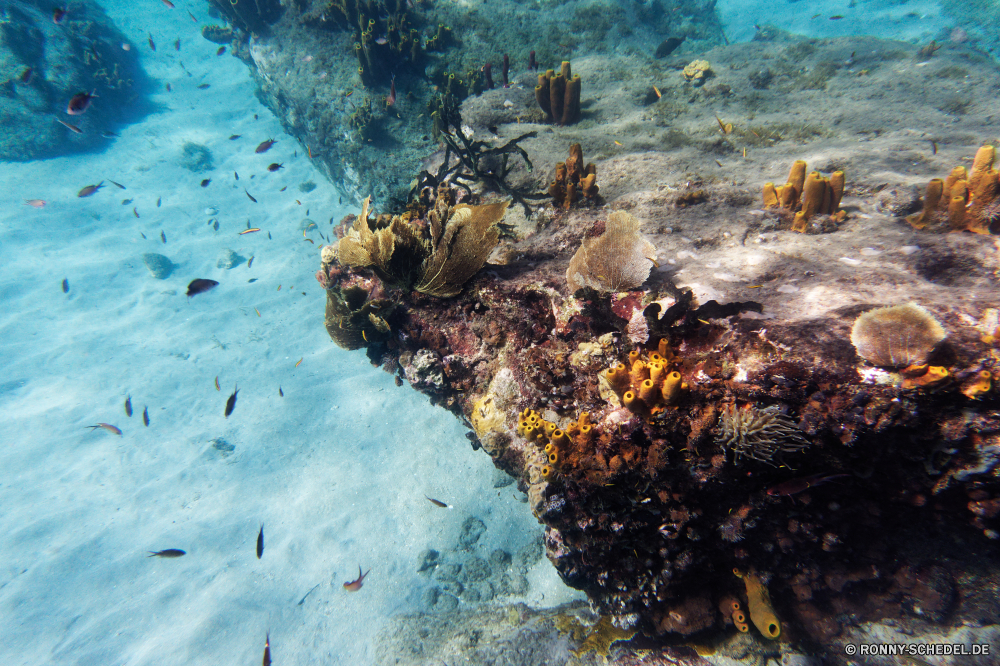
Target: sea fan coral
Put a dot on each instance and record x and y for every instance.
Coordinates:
(618, 259)
(758, 433)
(897, 336)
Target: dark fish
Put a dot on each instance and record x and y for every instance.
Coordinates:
(237, 175)
(222, 49)
(205, 182)
(126, 202)
(145, 416)
(267, 650)
(303, 599)
(836, 18)
(168, 4)
(128, 406)
(217, 387)
(108, 134)
(26, 75)
(265, 146)
(118, 185)
(135, 211)
(251, 196)
(280, 392)
(143, 236)
(58, 14)
(152, 44)
(177, 45)
(934, 146)
(268, 235)
(204, 86)
(231, 403)
(169, 552)
(90, 190)
(200, 286)
(391, 99)
(157, 202)
(260, 541)
(80, 102)
(70, 127)
(274, 166)
(192, 17)
(668, 46)
(355, 585)
(283, 189)
(795, 486)
(168, 87)
(163, 237)
(249, 262)
(437, 502)
(252, 280)
(234, 137)
(107, 426)
(65, 285)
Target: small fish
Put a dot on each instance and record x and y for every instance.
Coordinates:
(135, 211)
(260, 541)
(163, 237)
(128, 406)
(217, 387)
(249, 231)
(145, 416)
(283, 189)
(204, 86)
(177, 44)
(718, 162)
(299, 362)
(35, 203)
(107, 426)
(794, 486)
(437, 502)
(231, 403)
(308, 58)
(618, 143)
(26, 75)
(192, 17)
(237, 175)
(118, 185)
(934, 146)
(267, 648)
(80, 102)
(222, 50)
(108, 134)
(298, 202)
(169, 4)
(836, 18)
(249, 262)
(280, 392)
(73, 128)
(355, 585)
(268, 235)
(65, 285)
(658, 93)
(143, 236)
(158, 201)
(126, 46)
(265, 146)
(274, 166)
(200, 286)
(90, 190)
(169, 552)
(233, 137)
(391, 99)
(310, 240)
(250, 196)
(58, 14)
(152, 44)
(206, 182)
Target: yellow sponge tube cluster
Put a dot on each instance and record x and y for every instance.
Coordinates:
(818, 194)
(759, 605)
(555, 441)
(647, 384)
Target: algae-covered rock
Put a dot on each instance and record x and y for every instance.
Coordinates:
(159, 266)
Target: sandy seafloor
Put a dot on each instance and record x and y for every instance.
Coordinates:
(336, 470)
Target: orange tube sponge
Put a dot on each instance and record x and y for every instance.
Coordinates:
(586, 435)
(635, 405)
(657, 371)
(935, 189)
(672, 386)
(639, 372)
(663, 348)
(649, 392)
(618, 378)
(759, 605)
(559, 439)
(979, 386)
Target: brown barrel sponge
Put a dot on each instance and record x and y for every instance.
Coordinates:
(897, 336)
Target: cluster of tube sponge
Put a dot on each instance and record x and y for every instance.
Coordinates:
(554, 441)
(968, 201)
(559, 95)
(647, 385)
(759, 606)
(817, 194)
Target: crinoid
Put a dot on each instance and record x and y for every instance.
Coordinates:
(758, 433)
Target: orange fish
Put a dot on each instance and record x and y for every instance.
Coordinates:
(249, 231)
(35, 203)
(90, 190)
(117, 431)
(355, 585)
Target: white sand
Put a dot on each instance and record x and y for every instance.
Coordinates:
(336, 470)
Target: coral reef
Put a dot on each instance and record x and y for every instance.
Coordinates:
(897, 336)
(558, 95)
(818, 195)
(963, 201)
(574, 180)
(616, 259)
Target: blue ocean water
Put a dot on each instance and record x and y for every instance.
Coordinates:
(325, 451)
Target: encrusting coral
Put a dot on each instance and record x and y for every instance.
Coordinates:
(574, 180)
(620, 258)
(818, 195)
(436, 255)
(646, 386)
(963, 201)
(559, 95)
(897, 336)
(697, 71)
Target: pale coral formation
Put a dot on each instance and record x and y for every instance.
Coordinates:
(618, 259)
(697, 71)
(897, 336)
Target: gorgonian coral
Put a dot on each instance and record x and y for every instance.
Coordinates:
(760, 434)
(618, 259)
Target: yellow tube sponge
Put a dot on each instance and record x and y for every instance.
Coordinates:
(672, 387)
(559, 439)
(618, 378)
(979, 386)
(649, 392)
(759, 606)
(639, 372)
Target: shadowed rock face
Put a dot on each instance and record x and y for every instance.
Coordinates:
(83, 52)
